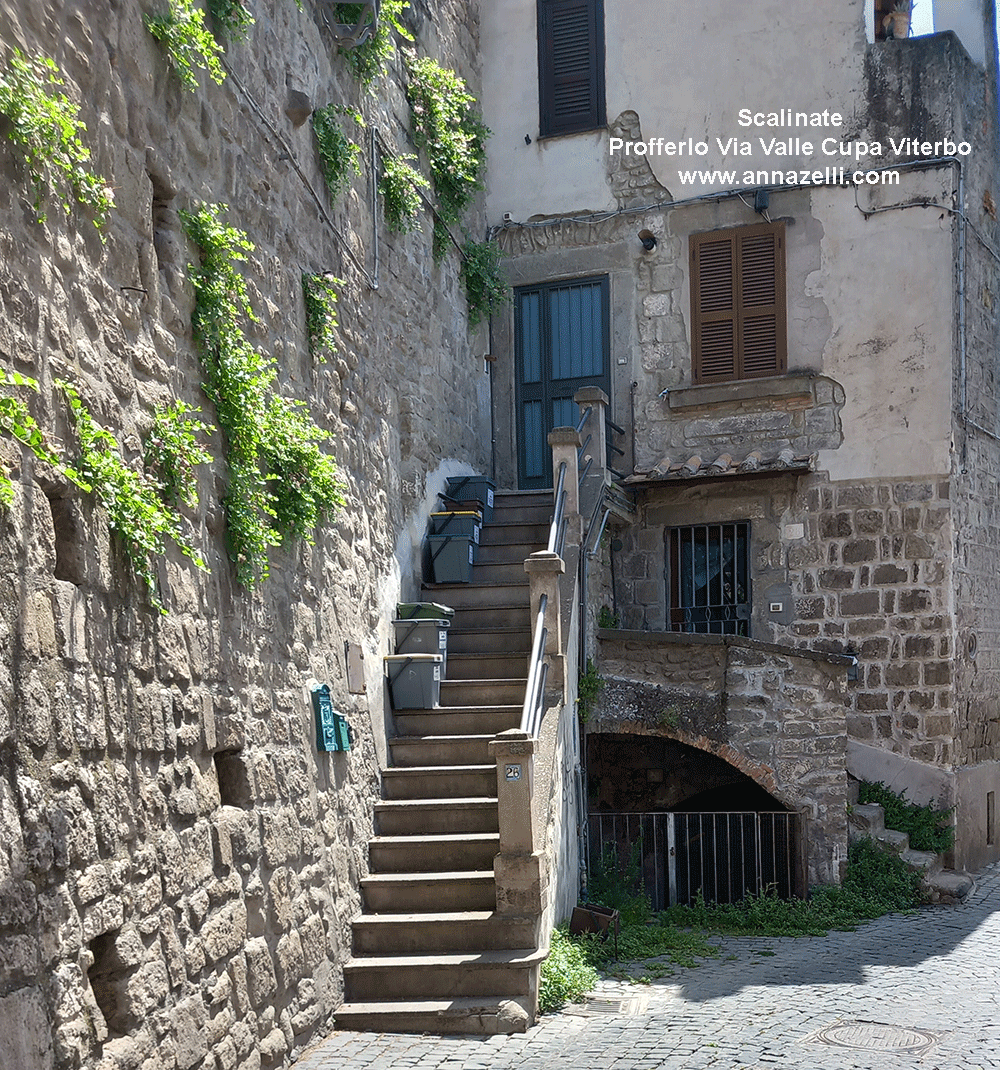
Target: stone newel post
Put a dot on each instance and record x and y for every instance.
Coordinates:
(593, 397)
(565, 443)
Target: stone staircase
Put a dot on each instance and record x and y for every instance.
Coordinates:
(430, 952)
(940, 885)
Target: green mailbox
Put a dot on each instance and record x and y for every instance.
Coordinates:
(332, 731)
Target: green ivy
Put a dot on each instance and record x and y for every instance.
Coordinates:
(136, 513)
(231, 17)
(16, 421)
(320, 299)
(371, 60)
(173, 451)
(189, 44)
(566, 976)
(486, 288)
(280, 481)
(338, 155)
(447, 125)
(590, 685)
(399, 186)
(44, 123)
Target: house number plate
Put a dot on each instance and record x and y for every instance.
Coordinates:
(512, 772)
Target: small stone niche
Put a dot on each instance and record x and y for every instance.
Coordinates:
(108, 977)
(234, 779)
(71, 539)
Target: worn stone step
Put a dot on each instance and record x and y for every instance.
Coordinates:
(479, 596)
(516, 614)
(473, 1016)
(428, 893)
(947, 886)
(412, 751)
(487, 639)
(505, 692)
(514, 532)
(405, 817)
(440, 782)
(505, 572)
(485, 973)
(452, 852)
(458, 720)
(505, 553)
(470, 930)
(494, 665)
(866, 818)
(511, 499)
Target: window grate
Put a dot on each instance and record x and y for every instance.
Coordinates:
(708, 574)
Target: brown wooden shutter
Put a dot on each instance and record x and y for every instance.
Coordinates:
(570, 65)
(738, 303)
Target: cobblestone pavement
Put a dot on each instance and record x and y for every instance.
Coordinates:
(761, 1006)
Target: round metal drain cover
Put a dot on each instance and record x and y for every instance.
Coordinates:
(877, 1036)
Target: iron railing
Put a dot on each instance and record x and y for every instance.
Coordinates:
(723, 856)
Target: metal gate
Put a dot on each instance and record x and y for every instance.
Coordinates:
(724, 856)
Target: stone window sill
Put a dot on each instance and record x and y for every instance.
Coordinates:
(797, 387)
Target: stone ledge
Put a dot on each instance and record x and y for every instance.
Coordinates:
(786, 387)
(693, 639)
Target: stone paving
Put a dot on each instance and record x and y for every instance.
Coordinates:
(761, 1006)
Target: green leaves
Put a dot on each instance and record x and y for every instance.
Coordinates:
(486, 288)
(281, 483)
(320, 300)
(339, 157)
(371, 60)
(399, 186)
(447, 125)
(136, 513)
(925, 826)
(231, 17)
(566, 976)
(189, 45)
(44, 123)
(172, 451)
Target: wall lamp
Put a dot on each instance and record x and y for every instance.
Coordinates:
(648, 239)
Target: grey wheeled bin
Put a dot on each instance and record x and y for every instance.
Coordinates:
(414, 681)
(451, 558)
(423, 637)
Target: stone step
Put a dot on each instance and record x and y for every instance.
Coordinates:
(505, 692)
(473, 1016)
(515, 614)
(506, 533)
(458, 720)
(440, 782)
(948, 886)
(485, 973)
(507, 572)
(487, 639)
(868, 818)
(479, 596)
(406, 817)
(505, 553)
(511, 499)
(495, 665)
(412, 751)
(470, 930)
(454, 852)
(428, 893)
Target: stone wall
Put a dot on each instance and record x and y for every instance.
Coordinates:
(178, 864)
(773, 713)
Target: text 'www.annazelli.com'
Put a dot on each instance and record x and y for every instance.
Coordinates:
(825, 176)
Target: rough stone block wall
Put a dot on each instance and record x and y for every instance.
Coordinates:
(774, 714)
(179, 865)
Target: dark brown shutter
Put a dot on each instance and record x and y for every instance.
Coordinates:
(570, 65)
(738, 303)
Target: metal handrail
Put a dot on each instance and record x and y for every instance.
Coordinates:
(586, 469)
(613, 425)
(560, 499)
(584, 417)
(586, 443)
(535, 666)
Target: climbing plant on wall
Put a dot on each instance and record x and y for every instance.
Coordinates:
(486, 289)
(339, 156)
(320, 296)
(136, 513)
(188, 42)
(400, 185)
(370, 60)
(172, 452)
(231, 17)
(447, 125)
(46, 126)
(281, 483)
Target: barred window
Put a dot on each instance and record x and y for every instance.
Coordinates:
(708, 579)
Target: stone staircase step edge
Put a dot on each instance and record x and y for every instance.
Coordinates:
(484, 960)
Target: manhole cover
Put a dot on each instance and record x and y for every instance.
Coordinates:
(876, 1036)
(627, 1007)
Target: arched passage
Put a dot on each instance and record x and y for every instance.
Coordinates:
(687, 821)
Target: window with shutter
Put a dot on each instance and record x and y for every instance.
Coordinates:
(570, 65)
(738, 303)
